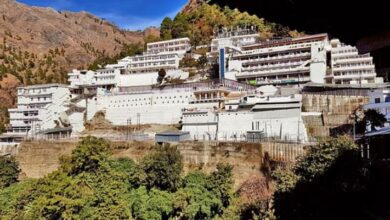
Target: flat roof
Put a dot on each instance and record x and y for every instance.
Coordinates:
(173, 133)
(167, 41)
(43, 86)
(56, 130)
(349, 86)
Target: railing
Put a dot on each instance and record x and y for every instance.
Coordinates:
(191, 87)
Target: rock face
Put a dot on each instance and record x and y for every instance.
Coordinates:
(36, 30)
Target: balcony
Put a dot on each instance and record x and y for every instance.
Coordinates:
(272, 72)
(354, 67)
(355, 76)
(353, 60)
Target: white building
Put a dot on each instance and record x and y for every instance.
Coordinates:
(162, 105)
(139, 70)
(233, 39)
(38, 108)
(180, 46)
(286, 61)
(269, 116)
(348, 67)
(300, 60)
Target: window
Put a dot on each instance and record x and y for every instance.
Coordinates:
(377, 100)
(387, 99)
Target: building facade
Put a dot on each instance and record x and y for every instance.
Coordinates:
(38, 107)
(281, 61)
(298, 61)
(348, 67)
(180, 46)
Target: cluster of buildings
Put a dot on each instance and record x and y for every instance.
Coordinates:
(244, 104)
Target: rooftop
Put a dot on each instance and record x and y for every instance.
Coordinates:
(43, 86)
(167, 41)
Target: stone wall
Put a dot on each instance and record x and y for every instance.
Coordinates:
(38, 159)
(337, 111)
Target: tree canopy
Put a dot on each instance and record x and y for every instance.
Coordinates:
(9, 171)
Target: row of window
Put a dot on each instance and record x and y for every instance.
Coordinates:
(144, 99)
(146, 104)
(161, 57)
(173, 62)
(167, 44)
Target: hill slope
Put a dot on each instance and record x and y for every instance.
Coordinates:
(40, 45)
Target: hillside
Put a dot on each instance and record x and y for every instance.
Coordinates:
(40, 45)
(199, 20)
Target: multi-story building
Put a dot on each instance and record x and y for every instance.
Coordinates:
(139, 70)
(300, 60)
(233, 39)
(180, 46)
(37, 107)
(348, 67)
(297, 60)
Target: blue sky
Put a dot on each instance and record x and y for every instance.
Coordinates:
(128, 14)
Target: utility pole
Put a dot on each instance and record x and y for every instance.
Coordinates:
(128, 128)
(139, 121)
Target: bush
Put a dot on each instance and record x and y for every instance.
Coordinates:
(9, 171)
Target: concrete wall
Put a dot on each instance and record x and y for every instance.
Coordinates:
(336, 112)
(332, 104)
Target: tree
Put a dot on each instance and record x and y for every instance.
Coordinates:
(90, 155)
(155, 204)
(9, 171)
(372, 118)
(166, 29)
(330, 182)
(161, 75)
(180, 26)
(221, 182)
(202, 62)
(161, 170)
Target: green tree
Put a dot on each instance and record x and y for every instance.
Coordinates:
(161, 75)
(161, 169)
(327, 183)
(154, 204)
(166, 29)
(195, 200)
(9, 171)
(90, 155)
(221, 182)
(202, 62)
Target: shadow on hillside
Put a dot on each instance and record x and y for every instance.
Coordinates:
(351, 189)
